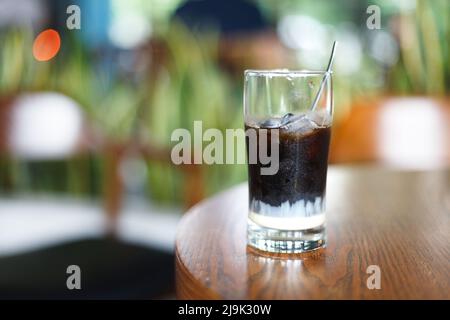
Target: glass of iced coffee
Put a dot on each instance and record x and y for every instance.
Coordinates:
(288, 117)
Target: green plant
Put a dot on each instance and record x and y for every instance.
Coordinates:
(191, 87)
(424, 36)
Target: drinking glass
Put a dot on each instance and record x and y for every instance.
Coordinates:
(288, 117)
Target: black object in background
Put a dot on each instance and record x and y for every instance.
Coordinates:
(110, 269)
(229, 17)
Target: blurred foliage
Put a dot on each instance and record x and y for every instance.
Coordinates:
(421, 28)
(424, 37)
(110, 103)
(191, 87)
(73, 72)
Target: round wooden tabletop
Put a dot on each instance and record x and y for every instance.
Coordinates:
(391, 224)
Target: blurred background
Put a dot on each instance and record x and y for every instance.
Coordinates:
(85, 170)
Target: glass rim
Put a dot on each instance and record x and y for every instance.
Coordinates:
(284, 72)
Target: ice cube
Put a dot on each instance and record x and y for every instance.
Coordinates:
(320, 118)
(286, 118)
(300, 124)
(270, 123)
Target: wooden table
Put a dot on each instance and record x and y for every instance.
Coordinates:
(399, 221)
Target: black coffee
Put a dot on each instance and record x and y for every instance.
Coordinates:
(302, 174)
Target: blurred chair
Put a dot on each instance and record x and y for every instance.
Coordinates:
(402, 132)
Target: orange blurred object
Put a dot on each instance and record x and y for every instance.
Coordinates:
(47, 45)
(401, 132)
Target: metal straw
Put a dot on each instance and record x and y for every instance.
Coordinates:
(325, 78)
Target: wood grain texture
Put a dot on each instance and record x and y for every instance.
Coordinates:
(397, 220)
